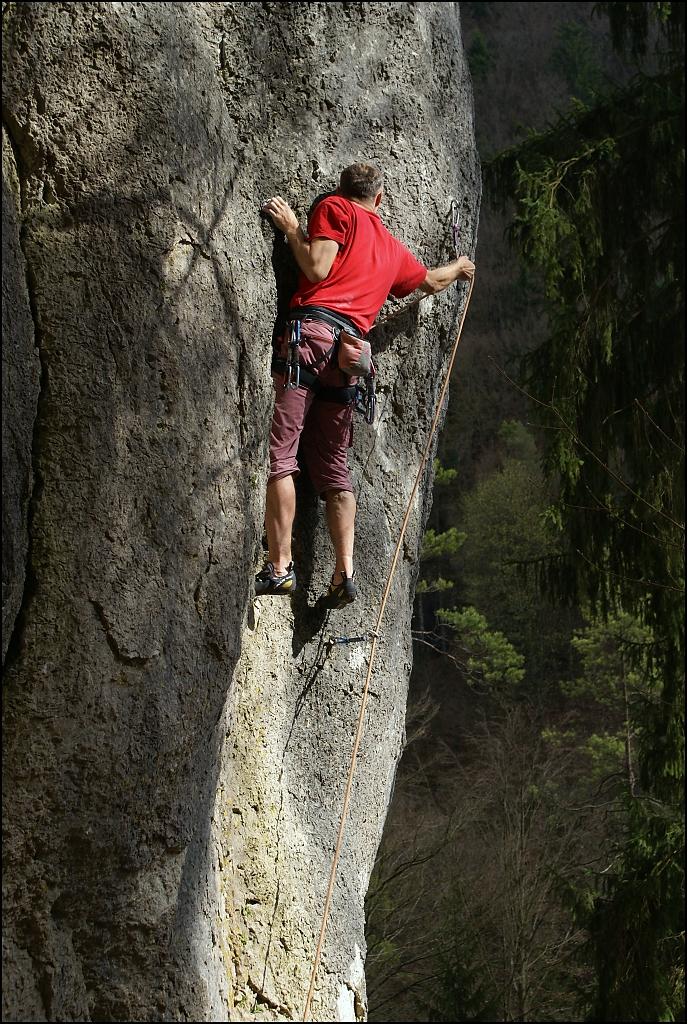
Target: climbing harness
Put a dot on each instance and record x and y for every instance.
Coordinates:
(357, 358)
(356, 361)
(375, 636)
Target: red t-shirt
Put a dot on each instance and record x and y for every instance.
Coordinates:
(370, 264)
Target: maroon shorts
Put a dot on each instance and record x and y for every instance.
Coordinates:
(323, 430)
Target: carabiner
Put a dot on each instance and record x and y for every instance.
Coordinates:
(370, 398)
(455, 223)
(292, 376)
(370, 409)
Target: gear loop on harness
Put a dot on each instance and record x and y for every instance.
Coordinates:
(297, 375)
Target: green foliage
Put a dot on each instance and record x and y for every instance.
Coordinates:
(439, 545)
(508, 538)
(443, 477)
(599, 206)
(487, 655)
(502, 534)
(605, 752)
(606, 699)
(631, 25)
(520, 443)
(633, 921)
(598, 202)
(433, 586)
(502, 519)
(505, 866)
(479, 56)
(631, 915)
(503, 530)
(573, 59)
(616, 661)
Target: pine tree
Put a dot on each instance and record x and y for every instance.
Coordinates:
(598, 201)
(573, 59)
(479, 57)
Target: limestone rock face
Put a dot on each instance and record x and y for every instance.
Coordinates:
(176, 751)
(20, 386)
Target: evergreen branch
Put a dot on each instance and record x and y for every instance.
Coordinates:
(676, 445)
(640, 311)
(577, 440)
(628, 579)
(647, 234)
(605, 508)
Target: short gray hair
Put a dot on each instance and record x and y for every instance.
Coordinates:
(361, 181)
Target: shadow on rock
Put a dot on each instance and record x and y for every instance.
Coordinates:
(308, 620)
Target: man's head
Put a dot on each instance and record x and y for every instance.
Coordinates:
(363, 183)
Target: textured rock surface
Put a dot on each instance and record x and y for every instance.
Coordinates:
(175, 753)
(20, 384)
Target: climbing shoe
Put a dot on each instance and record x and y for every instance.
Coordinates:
(267, 581)
(341, 594)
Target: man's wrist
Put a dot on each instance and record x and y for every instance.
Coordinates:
(293, 233)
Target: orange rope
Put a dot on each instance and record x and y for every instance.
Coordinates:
(372, 653)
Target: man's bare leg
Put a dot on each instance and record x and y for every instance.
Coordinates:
(341, 522)
(280, 510)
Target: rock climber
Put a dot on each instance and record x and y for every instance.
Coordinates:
(349, 264)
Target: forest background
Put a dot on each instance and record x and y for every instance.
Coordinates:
(532, 862)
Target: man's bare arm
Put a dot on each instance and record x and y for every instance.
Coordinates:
(461, 269)
(315, 258)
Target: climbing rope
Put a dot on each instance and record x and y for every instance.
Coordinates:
(375, 634)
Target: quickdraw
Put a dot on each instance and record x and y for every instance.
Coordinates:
(332, 641)
(365, 396)
(455, 224)
(292, 373)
